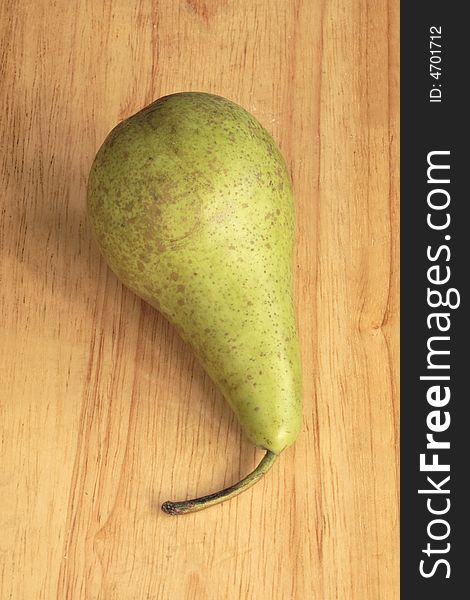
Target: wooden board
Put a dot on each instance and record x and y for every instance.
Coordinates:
(104, 411)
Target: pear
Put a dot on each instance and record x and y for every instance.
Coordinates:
(192, 207)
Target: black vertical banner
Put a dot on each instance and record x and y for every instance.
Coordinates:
(435, 268)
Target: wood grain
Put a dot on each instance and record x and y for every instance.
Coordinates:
(104, 411)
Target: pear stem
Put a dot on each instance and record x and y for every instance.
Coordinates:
(188, 506)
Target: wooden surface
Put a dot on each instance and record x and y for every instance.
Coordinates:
(104, 411)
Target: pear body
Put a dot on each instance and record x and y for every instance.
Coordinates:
(191, 204)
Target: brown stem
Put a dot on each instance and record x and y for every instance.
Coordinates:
(188, 506)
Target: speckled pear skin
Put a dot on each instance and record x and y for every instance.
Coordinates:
(191, 204)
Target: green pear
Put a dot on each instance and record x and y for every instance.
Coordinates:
(191, 205)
